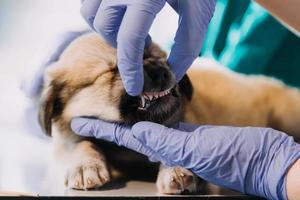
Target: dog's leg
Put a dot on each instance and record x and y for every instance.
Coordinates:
(175, 180)
(84, 165)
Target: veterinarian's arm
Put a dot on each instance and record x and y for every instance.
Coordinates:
(287, 11)
(250, 160)
(125, 24)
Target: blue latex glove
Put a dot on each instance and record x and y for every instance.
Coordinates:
(126, 23)
(250, 160)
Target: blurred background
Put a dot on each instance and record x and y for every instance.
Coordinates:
(242, 36)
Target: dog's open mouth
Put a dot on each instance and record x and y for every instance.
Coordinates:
(149, 98)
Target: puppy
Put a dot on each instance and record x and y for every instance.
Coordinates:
(85, 82)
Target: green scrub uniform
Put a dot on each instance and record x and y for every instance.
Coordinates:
(245, 38)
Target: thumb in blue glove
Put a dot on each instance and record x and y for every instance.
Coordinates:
(125, 24)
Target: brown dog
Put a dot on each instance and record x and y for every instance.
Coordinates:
(85, 82)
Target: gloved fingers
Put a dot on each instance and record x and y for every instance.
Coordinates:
(89, 9)
(194, 18)
(174, 4)
(168, 143)
(180, 63)
(99, 129)
(182, 126)
(108, 20)
(131, 38)
(112, 132)
(88, 127)
(127, 140)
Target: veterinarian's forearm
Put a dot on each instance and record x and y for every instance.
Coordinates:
(293, 181)
(286, 11)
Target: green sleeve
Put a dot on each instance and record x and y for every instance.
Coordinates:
(226, 13)
(250, 45)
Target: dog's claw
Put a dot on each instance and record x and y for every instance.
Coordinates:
(77, 184)
(176, 180)
(89, 181)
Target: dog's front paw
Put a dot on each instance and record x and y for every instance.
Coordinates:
(90, 174)
(175, 180)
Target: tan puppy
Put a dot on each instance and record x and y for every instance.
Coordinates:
(85, 82)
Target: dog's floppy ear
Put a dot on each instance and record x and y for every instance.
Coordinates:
(46, 109)
(50, 102)
(61, 82)
(50, 106)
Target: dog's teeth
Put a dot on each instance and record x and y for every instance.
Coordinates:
(150, 96)
(143, 101)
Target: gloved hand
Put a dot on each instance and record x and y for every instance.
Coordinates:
(250, 160)
(126, 23)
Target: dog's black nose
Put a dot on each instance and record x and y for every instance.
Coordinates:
(159, 76)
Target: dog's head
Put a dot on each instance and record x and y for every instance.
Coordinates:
(86, 82)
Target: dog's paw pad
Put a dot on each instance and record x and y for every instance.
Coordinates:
(87, 176)
(176, 180)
